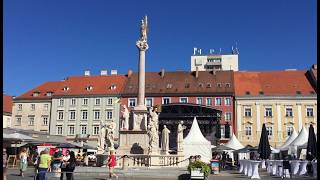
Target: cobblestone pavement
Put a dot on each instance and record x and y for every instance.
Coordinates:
(98, 173)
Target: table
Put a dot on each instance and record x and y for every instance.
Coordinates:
(279, 168)
(303, 167)
(249, 173)
(263, 164)
(294, 164)
(274, 167)
(269, 166)
(245, 167)
(255, 172)
(314, 167)
(241, 166)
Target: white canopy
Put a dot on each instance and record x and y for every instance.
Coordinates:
(291, 138)
(196, 144)
(234, 143)
(301, 139)
(273, 150)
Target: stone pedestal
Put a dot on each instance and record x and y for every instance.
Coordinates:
(133, 142)
(139, 118)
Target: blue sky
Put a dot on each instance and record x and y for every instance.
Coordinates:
(50, 40)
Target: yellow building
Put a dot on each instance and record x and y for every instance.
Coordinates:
(283, 100)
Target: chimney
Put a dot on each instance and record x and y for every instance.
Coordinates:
(130, 72)
(87, 73)
(104, 72)
(114, 72)
(197, 72)
(162, 73)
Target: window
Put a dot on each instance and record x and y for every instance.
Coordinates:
(60, 115)
(46, 107)
(89, 88)
(84, 115)
(109, 114)
(66, 88)
(73, 102)
(132, 102)
(268, 112)
(109, 101)
(35, 94)
(165, 100)
(72, 115)
(219, 85)
(289, 130)
(187, 85)
(269, 130)
(209, 101)
(45, 120)
(19, 107)
(49, 93)
(113, 87)
(228, 85)
(248, 130)
(228, 116)
(59, 130)
(95, 130)
(289, 112)
(184, 100)
(71, 130)
(83, 129)
(169, 86)
(96, 115)
(97, 101)
(18, 121)
(199, 100)
(149, 102)
(85, 101)
(227, 101)
(222, 130)
(31, 120)
(309, 112)
(33, 107)
(247, 92)
(218, 101)
(61, 102)
(247, 112)
(208, 85)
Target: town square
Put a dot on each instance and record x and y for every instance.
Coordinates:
(165, 103)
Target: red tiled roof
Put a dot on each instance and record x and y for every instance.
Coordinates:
(182, 82)
(7, 104)
(76, 85)
(272, 83)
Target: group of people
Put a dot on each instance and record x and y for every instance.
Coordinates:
(224, 158)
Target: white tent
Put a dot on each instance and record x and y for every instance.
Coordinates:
(291, 138)
(274, 150)
(196, 144)
(300, 140)
(234, 143)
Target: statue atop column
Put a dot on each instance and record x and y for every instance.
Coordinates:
(180, 137)
(165, 140)
(102, 134)
(125, 118)
(153, 132)
(144, 29)
(110, 135)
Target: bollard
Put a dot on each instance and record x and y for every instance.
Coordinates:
(125, 163)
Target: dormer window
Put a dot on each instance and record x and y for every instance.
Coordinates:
(208, 85)
(200, 85)
(113, 87)
(187, 85)
(66, 88)
(130, 86)
(89, 88)
(49, 94)
(219, 85)
(247, 92)
(298, 92)
(169, 86)
(261, 92)
(228, 85)
(35, 94)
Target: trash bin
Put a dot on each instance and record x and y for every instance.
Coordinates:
(101, 159)
(215, 166)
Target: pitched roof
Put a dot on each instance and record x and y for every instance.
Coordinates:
(182, 82)
(272, 83)
(78, 85)
(7, 103)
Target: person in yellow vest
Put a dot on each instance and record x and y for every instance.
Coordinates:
(44, 164)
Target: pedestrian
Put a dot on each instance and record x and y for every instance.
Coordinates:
(85, 159)
(65, 159)
(23, 156)
(70, 167)
(5, 158)
(56, 163)
(112, 162)
(44, 164)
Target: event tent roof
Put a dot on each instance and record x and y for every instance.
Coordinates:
(301, 138)
(234, 143)
(291, 138)
(195, 136)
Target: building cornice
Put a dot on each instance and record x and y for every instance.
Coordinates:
(276, 97)
(31, 100)
(179, 94)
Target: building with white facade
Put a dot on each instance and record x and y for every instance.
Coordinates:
(7, 110)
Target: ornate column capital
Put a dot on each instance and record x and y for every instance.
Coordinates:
(142, 45)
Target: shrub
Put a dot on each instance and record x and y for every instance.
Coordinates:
(205, 168)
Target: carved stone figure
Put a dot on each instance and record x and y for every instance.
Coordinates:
(165, 140)
(144, 29)
(154, 118)
(125, 120)
(102, 134)
(153, 132)
(109, 135)
(180, 136)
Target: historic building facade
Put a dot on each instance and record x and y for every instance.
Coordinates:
(283, 100)
(7, 110)
(209, 89)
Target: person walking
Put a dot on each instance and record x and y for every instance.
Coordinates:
(112, 162)
(70, 167)
(23, 156)
(44, 164)
(5, 157)
(65, 159)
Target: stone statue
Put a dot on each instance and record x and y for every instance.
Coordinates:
(144, 29)
(154, 117)
(153, 132)
(125, 120)
(109, 135)
(102, 134)
(165, 140)
(180, 136)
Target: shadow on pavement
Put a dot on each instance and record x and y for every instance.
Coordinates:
(184, 176)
